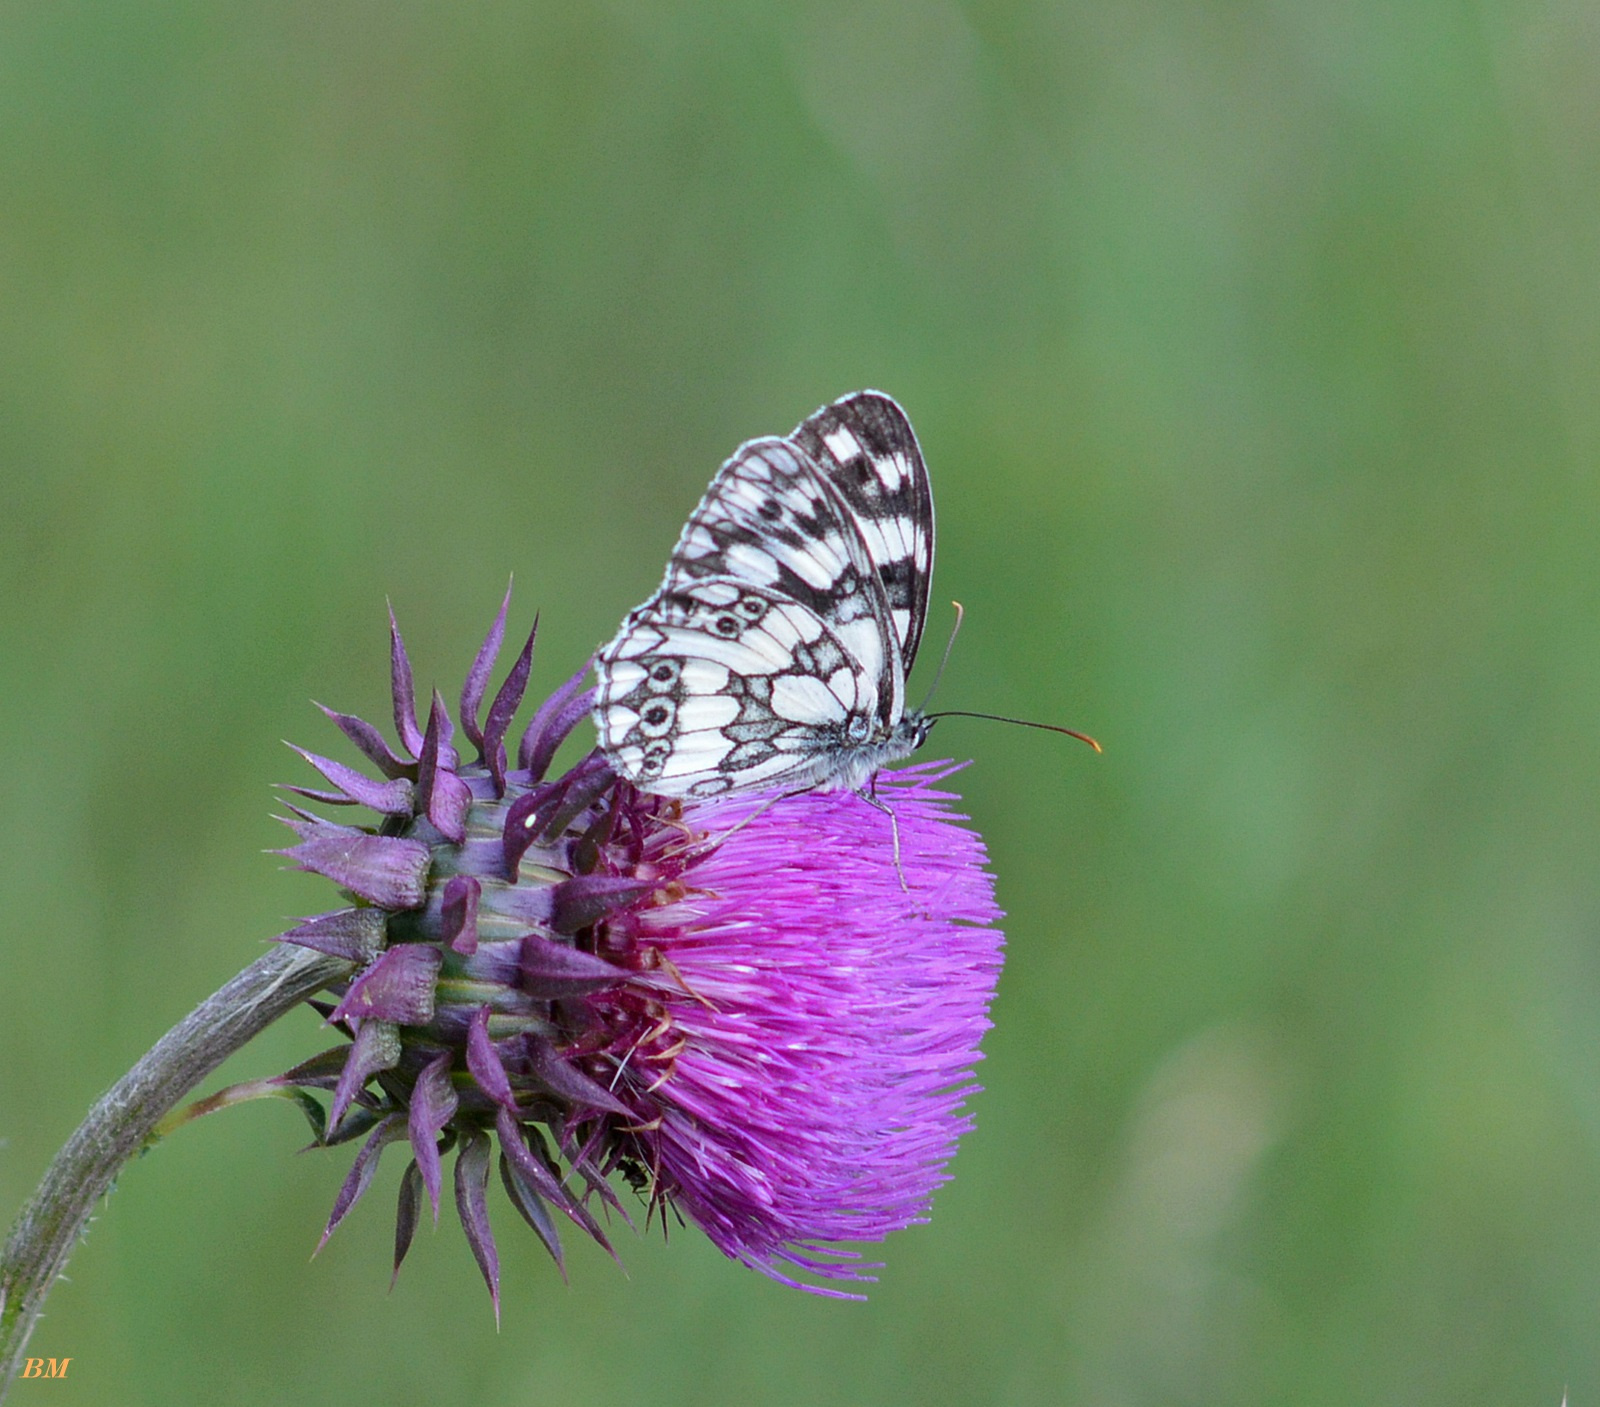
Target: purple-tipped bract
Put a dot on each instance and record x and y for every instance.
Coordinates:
(746, 1006)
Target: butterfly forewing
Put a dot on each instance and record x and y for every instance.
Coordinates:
(866, 447)
(771, 518)
(776, 649)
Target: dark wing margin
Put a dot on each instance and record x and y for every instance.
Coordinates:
(865, 445)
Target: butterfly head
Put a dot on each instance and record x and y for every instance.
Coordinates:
(901, 739)
(913, 729)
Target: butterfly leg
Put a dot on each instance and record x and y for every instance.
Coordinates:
(713, 842)
(869, 794)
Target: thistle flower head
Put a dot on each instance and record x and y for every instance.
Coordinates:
(745, 1007)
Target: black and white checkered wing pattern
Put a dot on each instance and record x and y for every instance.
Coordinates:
(719, 683)
(776, 650)
(771, 518)
(867, 449)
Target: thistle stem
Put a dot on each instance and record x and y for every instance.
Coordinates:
(50, 1224)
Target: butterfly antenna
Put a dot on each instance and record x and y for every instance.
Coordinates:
(944, 659)
(1021, 723)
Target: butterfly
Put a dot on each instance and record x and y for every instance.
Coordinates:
(776, 649)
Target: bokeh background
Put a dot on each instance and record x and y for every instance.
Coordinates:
(1253, 347)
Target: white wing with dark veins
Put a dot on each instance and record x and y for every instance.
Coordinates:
(775, 651)
(865, 446)
(719, 684)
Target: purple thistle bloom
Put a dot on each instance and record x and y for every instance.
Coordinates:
(744, 1005)
(823, 1022)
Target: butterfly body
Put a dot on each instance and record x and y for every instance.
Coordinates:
(775, 652)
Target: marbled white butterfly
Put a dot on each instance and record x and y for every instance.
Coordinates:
(776, 650)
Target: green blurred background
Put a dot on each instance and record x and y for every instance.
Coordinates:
(1253, 347)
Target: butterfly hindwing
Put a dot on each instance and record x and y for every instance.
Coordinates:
(718, 683)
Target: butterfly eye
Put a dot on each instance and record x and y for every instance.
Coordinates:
(726, 626)
(665, 673)
(752, 608)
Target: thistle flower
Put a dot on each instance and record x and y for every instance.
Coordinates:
(745, 1007)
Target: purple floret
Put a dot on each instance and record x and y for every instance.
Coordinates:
(757, 1008)
(830, 1019)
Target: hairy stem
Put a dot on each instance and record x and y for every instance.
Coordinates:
(49, 1226)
